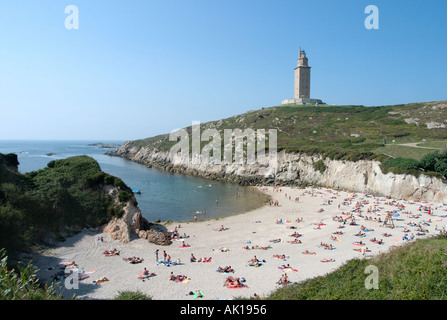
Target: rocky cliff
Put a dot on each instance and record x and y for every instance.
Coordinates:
(132, 223)
(300, 169)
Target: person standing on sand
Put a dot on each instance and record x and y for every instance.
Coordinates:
(156, 255)
(164, 256)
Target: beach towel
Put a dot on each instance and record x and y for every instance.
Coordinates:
(254, 265)
(196, 296)
(145, 276)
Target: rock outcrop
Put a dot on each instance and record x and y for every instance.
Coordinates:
(131, 223)
(299, 169)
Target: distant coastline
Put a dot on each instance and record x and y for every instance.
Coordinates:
(104, 145)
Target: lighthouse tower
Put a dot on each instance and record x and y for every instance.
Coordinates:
(302, 83)
(302, 77)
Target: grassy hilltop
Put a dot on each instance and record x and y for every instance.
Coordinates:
(399, 135)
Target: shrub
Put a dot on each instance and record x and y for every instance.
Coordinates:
(320, 166)
(123, 196)
(131, 295)
(402, 163)
(22, 285)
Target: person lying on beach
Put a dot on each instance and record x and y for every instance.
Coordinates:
(376, 241)
(326, 246)
(103, 279)
(178, 278)
(226, 269)
(363, 228)
(113, 252)
(68, 264)
(279, 256)
(254, 262)
(338, 232)
(334, 238)
(223, 249)
(360, 234)
(233, 282)
(295, 241)
(386, 234)
(259, 247)
(327, 260)
(275, 240)
(133, 260)
(295, 234)
(290, 227)
(221, 228)
(308, 252)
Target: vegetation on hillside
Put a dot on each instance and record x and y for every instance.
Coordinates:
(417, 271)
(22, 283)
(342, 132)
(67, 193)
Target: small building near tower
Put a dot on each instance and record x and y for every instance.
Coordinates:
(302, 83)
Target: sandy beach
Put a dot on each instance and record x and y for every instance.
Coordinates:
(261, 228)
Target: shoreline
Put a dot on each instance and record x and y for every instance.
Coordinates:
(253, 228)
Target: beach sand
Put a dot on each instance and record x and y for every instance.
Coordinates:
(255, 228)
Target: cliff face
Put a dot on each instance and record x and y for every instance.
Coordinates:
(298, 168)
(132, 223)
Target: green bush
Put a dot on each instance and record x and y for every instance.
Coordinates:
(68, 192)
(131, 295)
(123, 196)
(23, 284)
(403, 163)
(320, 166)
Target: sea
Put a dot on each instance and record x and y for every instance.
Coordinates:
(164, 196)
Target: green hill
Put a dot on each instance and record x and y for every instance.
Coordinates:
(409, 131)
(66, 194)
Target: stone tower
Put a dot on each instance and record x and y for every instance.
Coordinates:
(302, 77)
(302, 84)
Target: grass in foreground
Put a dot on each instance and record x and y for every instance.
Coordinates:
(417, 271)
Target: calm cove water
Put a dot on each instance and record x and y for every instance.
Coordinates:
(163, 196)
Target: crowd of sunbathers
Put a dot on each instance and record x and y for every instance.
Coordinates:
(194, 259)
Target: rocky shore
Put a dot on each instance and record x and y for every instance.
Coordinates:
(298, 169)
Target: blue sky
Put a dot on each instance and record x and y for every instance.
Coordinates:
(135, 69)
